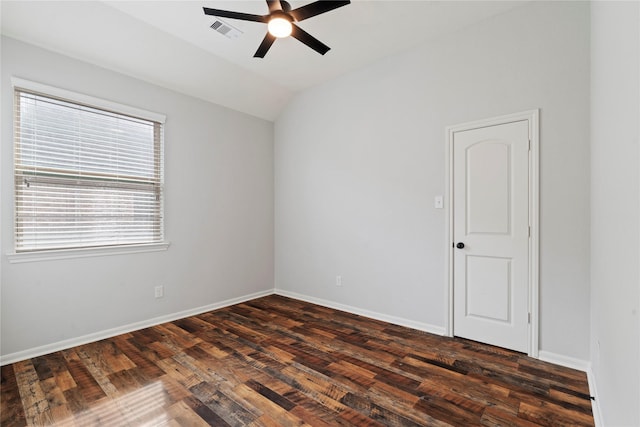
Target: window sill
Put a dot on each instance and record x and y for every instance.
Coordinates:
(15, 258)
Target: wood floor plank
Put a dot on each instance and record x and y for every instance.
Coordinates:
(60, 412)
(276, 361)
(479, 392)
(274, 409)
(61, 373)
(11, 407)
(182, 414)
(494, 417)
(149, 369)
(224, 406)
(87, 384)
(204, 412)
(35, 403)
(548, 414)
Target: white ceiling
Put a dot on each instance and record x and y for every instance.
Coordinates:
(169, 43)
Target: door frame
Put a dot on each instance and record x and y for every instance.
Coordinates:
(532, 116)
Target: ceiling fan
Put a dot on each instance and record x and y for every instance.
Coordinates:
(281, 22)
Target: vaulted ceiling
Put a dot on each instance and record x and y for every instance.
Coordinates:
(171, 44)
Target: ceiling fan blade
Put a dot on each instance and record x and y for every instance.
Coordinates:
(309, 40)
(274, 5)
(235, 15)
(316, 8)
(264, 46)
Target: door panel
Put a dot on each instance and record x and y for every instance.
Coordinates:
(488, 188)
(488, 288)
(490, 216)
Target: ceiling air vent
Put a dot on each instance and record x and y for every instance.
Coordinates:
(226, 30)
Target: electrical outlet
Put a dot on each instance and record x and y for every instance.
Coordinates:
(159, 291)
(438, 202)
(338, 280)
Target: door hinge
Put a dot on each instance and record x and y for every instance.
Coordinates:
(529, 231)
(529, 318)
(529, 145)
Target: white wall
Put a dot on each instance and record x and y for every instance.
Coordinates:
(219, 215)
(359, 160)
(615, 210)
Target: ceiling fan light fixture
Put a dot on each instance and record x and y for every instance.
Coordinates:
(280, 27)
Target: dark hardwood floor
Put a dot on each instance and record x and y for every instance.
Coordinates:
(275, 361)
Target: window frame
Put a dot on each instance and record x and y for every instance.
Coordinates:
(99, 103)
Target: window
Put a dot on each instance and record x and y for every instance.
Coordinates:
(87, 174)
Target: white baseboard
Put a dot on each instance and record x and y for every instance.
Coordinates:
(595, 403)
(437, 330)
(566, 361)
(108, 333)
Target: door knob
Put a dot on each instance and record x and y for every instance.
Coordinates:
(460, 245)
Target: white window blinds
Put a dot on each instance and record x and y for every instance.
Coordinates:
(84, 176)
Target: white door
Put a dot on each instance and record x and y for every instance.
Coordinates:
(491, 234)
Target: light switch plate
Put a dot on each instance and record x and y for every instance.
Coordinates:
(438, 202)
